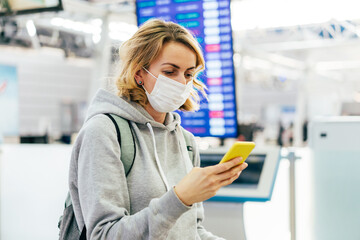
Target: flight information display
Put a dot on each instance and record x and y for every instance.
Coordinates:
(210, 22)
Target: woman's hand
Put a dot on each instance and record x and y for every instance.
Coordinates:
(202, 183)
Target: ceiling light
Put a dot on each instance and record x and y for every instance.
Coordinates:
(31, 28)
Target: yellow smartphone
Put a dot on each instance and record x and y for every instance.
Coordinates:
(238, 149)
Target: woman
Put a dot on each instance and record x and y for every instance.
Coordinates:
(161, 196)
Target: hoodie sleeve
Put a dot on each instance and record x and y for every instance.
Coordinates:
(203, 234)
(103, 192)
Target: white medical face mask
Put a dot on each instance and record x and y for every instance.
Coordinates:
(168, 94)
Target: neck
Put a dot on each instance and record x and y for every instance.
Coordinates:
(157, 116)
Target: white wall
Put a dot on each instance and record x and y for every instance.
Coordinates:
(325, 96)
(255, 98)
(46, 78)
(33, 187)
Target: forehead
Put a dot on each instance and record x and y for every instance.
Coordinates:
(178, 54)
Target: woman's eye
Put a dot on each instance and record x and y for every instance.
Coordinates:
(168, 73)
(189, 75)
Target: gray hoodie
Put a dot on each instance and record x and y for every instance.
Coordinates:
(142, 205)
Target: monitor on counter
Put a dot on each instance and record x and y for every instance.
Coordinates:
(255, 183)
(209, 22)
(15, 7)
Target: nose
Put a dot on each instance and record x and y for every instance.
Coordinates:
(181, 79)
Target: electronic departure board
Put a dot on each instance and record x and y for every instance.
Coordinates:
(210, 22)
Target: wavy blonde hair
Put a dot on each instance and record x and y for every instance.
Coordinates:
(144, 47)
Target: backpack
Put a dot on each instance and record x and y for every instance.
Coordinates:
(67, 225)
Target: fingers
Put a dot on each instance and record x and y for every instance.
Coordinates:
(219, 168)
(230, 180)
(243, 166)
(232, 172)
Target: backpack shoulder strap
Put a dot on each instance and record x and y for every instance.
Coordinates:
(126, 141)
(188, 140)
(68, 200)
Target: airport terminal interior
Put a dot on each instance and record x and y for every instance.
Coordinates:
(283, 74)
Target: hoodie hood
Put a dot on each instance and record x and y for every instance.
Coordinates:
(106, 102)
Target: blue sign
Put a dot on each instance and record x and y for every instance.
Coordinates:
(9, 103)
(210, 22)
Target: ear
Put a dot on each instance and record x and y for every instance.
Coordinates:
(139, 77)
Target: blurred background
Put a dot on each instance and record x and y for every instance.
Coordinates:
(278, 73)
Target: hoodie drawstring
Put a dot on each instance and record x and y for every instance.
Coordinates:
(157, 158)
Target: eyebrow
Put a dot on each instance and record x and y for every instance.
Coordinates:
(176, 66)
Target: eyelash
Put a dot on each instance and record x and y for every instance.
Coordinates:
(187, 75)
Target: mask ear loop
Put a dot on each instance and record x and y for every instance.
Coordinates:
(149, 72)
(141, 83)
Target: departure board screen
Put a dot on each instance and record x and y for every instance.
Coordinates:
(210, 22)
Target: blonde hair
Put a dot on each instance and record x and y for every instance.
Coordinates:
(143, 47)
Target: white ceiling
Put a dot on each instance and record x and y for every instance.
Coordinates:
(332, 46)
